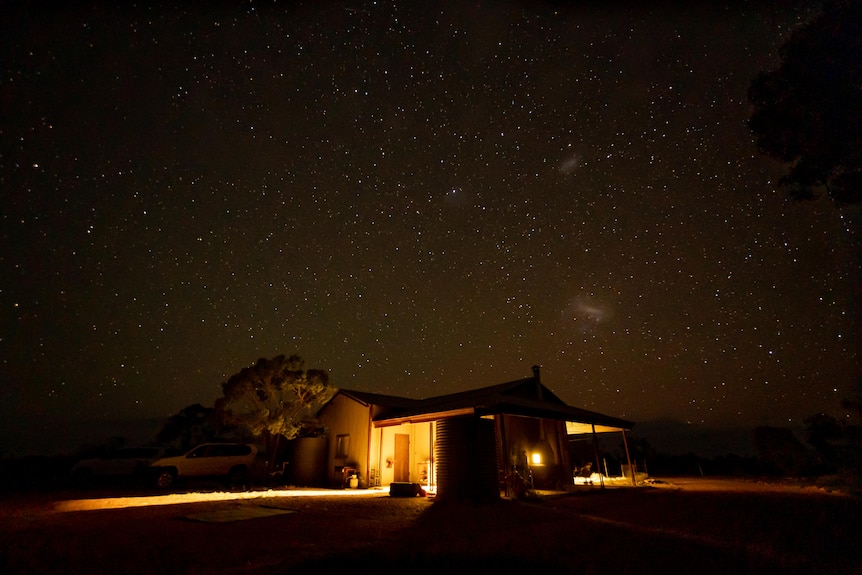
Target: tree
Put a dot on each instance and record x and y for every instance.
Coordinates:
(820, 431)
(850, 460)
(853, 404)
(780, 450)
(807, 113)
(273, 399)
(194, 424)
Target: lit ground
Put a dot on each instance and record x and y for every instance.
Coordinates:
(675, 526)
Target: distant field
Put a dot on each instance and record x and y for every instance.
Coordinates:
(684, 526)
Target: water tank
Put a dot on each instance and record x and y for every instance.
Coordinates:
(308, 461)
(466, 457)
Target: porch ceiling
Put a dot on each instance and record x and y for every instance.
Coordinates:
(576, 428)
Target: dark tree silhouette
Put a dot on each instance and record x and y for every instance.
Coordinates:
(273, 399)
(820, 431)
(850, 459)
(807, 113)
(853, 404)
(194, 424)
(780, 450)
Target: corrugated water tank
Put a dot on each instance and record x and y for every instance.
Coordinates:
(308, 462)
(466, 458)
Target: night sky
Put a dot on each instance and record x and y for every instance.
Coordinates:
(419, 198)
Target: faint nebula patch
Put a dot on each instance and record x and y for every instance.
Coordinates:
(586, 313)
(570, 164)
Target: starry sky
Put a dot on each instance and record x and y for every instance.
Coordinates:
(421, 198)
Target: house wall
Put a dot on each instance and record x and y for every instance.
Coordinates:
(525, 436)
(370, 450)
(421, 449)
(346, 417)
(522, 435)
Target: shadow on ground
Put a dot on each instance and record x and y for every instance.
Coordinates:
(642, 530)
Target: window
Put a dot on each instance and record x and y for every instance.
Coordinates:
(342, 445)
(231, 450)
(199, 452)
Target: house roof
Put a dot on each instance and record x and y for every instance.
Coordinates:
(523, 397)
(379, 399)
(386, 403)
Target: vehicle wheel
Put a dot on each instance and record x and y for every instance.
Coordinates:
(165, 478)
(238, 478)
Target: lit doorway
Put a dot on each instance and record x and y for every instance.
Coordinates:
(402, 457)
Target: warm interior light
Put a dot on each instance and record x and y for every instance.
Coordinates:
(537, 458)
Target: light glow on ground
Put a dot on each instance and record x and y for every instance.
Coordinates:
(180, 498)
(596, 479)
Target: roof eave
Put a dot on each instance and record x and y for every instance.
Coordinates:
(423, 417)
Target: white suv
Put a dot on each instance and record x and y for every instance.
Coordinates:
(231, 460)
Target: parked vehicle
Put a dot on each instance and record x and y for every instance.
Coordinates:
(122, 463)
(224, 460)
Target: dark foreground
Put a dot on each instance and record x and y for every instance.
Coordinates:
(642, 530)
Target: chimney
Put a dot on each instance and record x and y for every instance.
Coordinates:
(538, 379)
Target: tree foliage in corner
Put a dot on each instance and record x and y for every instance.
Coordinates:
(807, 113)
(273, 398)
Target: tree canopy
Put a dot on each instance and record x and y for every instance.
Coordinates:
(807, 113)
(192, 425)
(273, 397)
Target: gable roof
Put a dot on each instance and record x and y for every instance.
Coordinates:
(523, 397)
(378, 399)
(385, 404)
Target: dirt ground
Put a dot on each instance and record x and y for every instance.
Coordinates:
(676, 526)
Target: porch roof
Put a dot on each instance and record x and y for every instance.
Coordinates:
(523, 397)
(577, 420)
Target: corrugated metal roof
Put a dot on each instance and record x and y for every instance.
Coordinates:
(379, 399)
(523, 397)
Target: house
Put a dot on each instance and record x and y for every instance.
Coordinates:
(462, 444)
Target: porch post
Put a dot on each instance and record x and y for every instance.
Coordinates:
(504, 451)
(596, 452)
(368, 447)
(432, 460)
(629, 458)
(565, 456)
